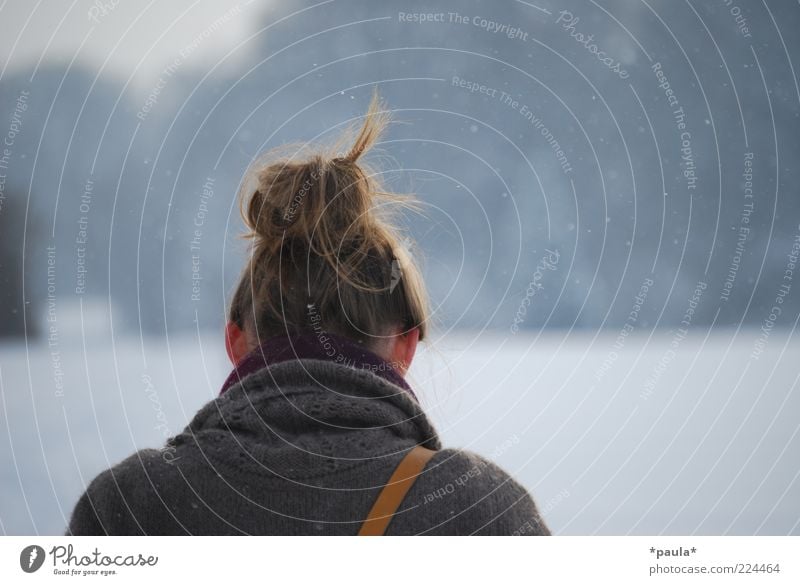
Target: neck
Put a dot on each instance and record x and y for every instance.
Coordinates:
(315, 345)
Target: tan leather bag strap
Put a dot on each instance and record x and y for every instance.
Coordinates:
(394, 491)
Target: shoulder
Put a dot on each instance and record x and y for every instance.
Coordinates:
(123, 499)
(460, 492)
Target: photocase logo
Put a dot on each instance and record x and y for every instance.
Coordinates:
(31, 558)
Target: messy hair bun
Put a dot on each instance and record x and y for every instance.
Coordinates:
(325, 253)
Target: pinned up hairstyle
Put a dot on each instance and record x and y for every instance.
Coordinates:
(325, 252)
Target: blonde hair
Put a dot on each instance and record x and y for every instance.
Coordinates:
(325, 252)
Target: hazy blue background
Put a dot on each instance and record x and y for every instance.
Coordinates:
(618, 421)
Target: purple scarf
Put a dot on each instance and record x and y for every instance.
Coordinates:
(311, 345)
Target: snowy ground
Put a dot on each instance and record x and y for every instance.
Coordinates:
(702, 440)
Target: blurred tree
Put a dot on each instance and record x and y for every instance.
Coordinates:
(12, 222)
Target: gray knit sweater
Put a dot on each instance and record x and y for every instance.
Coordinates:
(302, 447)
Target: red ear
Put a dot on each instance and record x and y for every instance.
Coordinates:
(403, 349)
(412, 338)
(235, 343)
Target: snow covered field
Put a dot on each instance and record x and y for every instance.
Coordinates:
(642, 438)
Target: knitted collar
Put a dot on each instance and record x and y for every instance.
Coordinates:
(318, 346)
